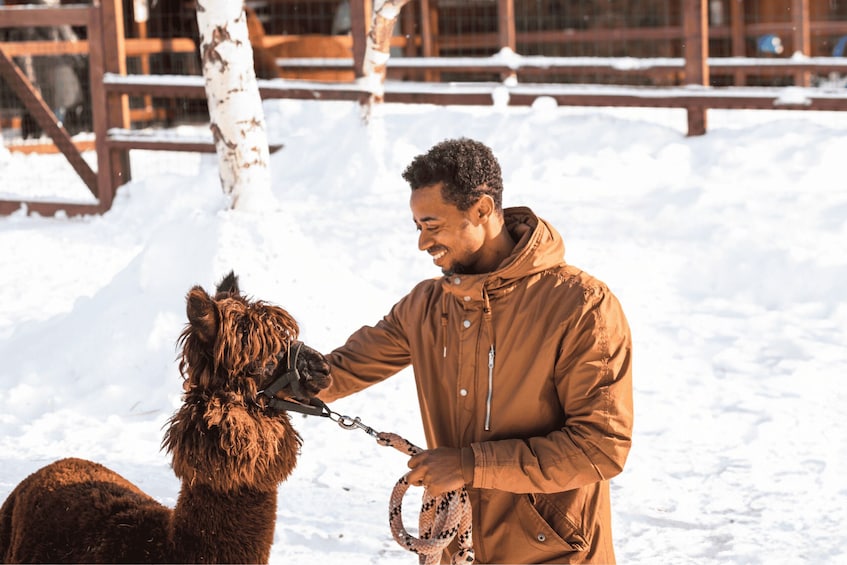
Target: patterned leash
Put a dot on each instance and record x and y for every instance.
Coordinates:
(442, 518)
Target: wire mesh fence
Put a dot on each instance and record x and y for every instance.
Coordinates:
(426, 28)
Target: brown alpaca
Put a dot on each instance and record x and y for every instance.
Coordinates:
(230, 451)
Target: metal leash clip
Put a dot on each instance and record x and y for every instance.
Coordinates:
(349, 423)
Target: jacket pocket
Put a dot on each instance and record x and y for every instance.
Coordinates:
(550, 521)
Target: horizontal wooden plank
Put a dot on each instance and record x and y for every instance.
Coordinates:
(271, 41)
(162, 145)
(605, 34)
(787, 28)
(21, 48)
(181, 86)
(166, 140)
(134, 47)
(537, 65)
(484, 93)
(166, 86)
(43, 16)
(751, 102)
(47, 147)
(794, 98)
(50, 208)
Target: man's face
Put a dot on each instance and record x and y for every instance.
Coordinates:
(452, 237)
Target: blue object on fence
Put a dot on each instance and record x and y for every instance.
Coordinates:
(840, 47)
(769, 44)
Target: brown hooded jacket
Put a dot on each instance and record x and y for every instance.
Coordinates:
(530, 368)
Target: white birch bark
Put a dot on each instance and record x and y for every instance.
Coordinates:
(378, 48)
(235, 106)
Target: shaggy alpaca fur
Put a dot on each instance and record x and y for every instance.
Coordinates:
(229, 450)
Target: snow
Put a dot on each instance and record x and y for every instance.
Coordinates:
(726, 250)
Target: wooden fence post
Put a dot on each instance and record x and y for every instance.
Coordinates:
(360, 18)
(506, 24)
(107, 54)
(696, 50)
(506, 30)
(739, 38)
(429, 37)
(802, 36)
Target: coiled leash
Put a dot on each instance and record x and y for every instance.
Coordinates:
(442, 517)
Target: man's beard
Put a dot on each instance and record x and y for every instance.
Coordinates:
(455, 269)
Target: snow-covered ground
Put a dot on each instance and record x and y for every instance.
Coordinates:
(727, 252)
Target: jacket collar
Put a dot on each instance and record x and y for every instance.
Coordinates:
(539, 247)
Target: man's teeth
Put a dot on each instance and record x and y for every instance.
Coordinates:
(439, 255)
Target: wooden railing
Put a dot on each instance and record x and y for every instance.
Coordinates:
(111, 87)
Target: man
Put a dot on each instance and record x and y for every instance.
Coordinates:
(522, 365)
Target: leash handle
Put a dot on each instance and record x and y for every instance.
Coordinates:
(442, 518)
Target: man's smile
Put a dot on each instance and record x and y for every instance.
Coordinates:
(437, 254)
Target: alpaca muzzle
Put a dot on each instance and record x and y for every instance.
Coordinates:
(291, 378)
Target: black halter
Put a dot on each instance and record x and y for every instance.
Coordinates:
(291, 377)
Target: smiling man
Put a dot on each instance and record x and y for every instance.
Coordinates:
(522, 365)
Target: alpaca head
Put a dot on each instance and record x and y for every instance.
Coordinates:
(223, 435)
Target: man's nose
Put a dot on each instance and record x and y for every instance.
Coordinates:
(424, 241)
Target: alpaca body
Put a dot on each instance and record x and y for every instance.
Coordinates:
(230, 452)
(106, 519)
(103, 518)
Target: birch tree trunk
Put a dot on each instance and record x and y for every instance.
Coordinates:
(235, 106)
(378, 47)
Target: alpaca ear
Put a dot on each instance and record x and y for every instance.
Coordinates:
(201, 314)
(228, 285)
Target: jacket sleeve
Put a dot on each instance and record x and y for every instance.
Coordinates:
(370, 355)
(593, 375)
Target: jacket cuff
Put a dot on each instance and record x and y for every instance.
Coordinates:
(467, 465)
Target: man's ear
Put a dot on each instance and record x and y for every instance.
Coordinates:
(484, 209)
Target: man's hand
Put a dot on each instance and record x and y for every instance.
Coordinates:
(314, 371)
(439, 470)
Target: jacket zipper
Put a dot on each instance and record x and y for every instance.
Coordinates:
(486, 314)
(490, 388)
(444, 325)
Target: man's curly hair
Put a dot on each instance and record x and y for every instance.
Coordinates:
(467, 168)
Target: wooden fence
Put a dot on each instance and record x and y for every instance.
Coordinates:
(111, 86)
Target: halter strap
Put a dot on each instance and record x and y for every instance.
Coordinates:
(291, 377)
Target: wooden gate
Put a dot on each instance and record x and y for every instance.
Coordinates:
(104, 27)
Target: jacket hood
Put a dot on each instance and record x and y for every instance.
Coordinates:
(538, 247)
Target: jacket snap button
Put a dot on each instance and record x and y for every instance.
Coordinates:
(463, 392)
(467, 299)
(457, 280)
(466, 323)
(542, 538)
